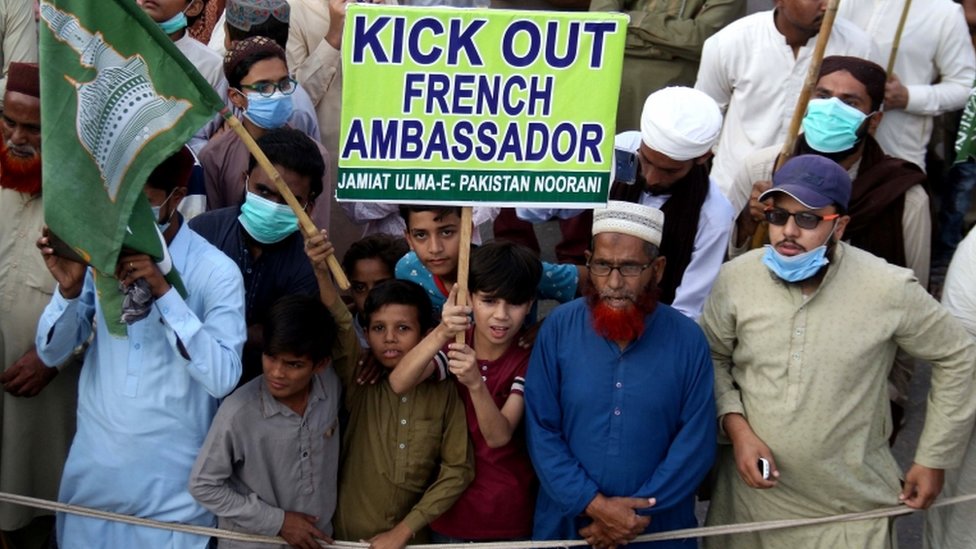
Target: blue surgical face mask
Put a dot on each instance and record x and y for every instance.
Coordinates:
(266, 221)
(156, 209)
(831, 125)
(269, 113)
(794, 268)
(174, 24)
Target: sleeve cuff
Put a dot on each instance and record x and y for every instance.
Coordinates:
(919, 99)
(416, 521)
(178, 315)
(729, 403)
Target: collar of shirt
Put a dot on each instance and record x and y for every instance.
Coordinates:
(270, 405)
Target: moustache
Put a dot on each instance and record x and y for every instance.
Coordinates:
(21, 151)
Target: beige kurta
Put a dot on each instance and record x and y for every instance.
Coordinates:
(18, 37)
(36, 432)
(809, 374)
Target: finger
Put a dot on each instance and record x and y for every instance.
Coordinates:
(639, 503)
(452, 295)
(908, 490)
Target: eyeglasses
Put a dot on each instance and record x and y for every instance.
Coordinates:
(267, 89)
(628, 269)
(804, 220)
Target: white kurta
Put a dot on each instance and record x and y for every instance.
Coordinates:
(751, 72)
(211, 67)
(953, 527)
(935, 45)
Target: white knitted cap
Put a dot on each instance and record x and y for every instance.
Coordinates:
(643, 222)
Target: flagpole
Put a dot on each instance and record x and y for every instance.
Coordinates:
(813, 73)
(897, 41)
(308, 227)
(464, 258)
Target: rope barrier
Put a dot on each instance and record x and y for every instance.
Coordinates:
(707, 531)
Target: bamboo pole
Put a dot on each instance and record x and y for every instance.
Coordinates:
(308, 227)
(813, 73)
(464, 261)
(897, 40)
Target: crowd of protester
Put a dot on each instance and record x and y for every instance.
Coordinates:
(739, 325)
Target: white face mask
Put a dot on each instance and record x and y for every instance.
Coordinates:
(163, 225)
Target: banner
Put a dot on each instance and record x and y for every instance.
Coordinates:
(966, 138)
(117, 98)
(465, 107)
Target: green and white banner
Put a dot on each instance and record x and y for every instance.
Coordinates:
(117, 98)
(467, 107)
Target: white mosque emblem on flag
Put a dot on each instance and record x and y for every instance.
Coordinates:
(119, 111)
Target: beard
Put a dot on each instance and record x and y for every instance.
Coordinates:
(623, 323)
(20, 173)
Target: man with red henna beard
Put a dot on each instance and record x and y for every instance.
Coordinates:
(37, 405)
(619, 397)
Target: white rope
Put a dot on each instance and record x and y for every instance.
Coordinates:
(703, 532)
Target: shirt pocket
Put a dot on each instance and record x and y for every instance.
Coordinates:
(424, 448)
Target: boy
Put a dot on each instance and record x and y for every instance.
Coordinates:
(368, 262)
(171, 16)
(434, 236)
(395, 444)
(269, 463)
(490, 375)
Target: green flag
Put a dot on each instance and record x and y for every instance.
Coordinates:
(966, 138)
(117, 98)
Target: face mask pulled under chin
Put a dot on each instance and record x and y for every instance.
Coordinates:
(174, 24)
(796, 268)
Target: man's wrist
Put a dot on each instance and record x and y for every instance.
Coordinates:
(69, 293)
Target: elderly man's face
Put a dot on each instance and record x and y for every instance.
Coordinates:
(22, 125)
(790, 239)
(618, 250)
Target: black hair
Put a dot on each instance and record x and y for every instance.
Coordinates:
(400, 292)
(441, 211)
(292, 149)
(239, 71)
(300, 325)
(505, 270)
(272, 28)
(386, 248)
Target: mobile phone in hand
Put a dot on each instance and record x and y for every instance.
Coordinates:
(763, 465)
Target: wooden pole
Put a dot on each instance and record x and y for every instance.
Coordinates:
(897, 41)
(308, 227)
(813, 73)
(464, 260)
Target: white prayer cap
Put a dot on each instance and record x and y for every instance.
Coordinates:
(680, 123)
(643, 222)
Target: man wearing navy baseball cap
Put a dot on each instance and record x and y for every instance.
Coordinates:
(803, 334)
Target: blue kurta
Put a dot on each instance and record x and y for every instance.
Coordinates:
(143, 407)
(633, 423)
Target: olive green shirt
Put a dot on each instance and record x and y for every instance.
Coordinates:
(664, 44)
(404, 457)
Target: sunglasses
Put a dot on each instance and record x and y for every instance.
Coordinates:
(804, 220)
